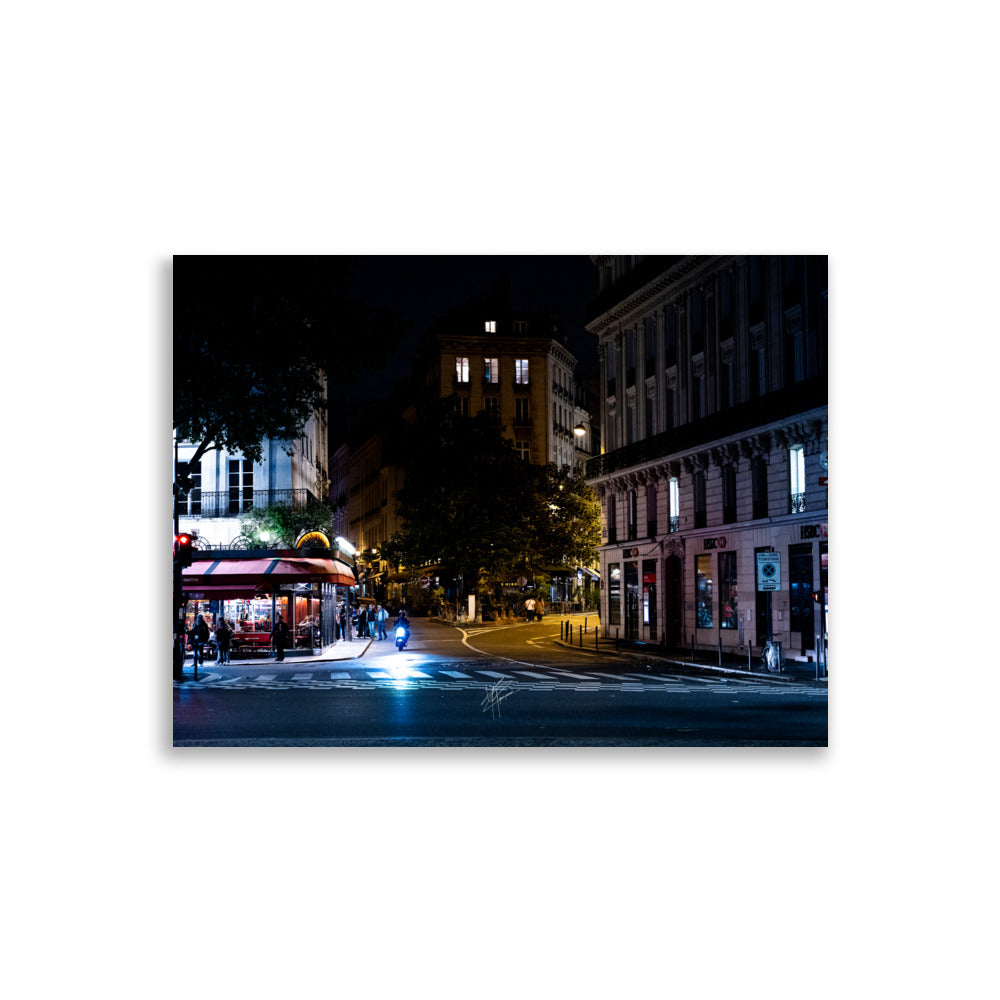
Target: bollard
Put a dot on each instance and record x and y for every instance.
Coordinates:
(580, 635)
(597, 628)
(749, 656)
(817, 657)
(692, 648)
(584, 624)
(720, 649)
(616, 640)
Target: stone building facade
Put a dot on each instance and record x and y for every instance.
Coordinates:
(712, 477)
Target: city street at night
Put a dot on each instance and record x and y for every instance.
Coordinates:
(481, 686)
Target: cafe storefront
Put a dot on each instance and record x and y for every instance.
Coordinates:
(250, 589)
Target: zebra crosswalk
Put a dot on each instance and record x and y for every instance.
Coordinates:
(473, 678)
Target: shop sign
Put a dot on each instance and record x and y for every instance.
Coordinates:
(716, 543)
(813, 531)
(768, 571)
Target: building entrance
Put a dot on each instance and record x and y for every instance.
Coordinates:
(672, 604)
(800, 587)
(631, 601)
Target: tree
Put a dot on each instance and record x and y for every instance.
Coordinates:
(254, 338)
(283, 523)
(470, 502)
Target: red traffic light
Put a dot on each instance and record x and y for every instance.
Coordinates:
(183, 549)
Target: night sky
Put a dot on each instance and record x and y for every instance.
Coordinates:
(422, 289)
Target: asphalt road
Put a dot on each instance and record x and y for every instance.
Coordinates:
(498, 686)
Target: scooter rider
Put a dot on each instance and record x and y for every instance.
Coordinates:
(402, 620)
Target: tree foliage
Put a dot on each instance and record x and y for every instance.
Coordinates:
(472, 504)
(283, 523)
(253, 339)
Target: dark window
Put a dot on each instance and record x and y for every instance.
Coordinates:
(697, 321)
(758, 475)
(240, 485)
(728, 494)
(697, 397)
(633, 515)
(700, 512)
(649, 339)
(629, 359)
(725, 305)
(670, 337)
(190, 502)
(651, 510)
(612, 519)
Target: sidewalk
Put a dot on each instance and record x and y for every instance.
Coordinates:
(704, 660)
(340, 651)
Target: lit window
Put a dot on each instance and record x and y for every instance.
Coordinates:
(491, 370)
(491, 326)
(461, 369)
(797, 478)
(523, 449)
(521, 371)
(675, 504)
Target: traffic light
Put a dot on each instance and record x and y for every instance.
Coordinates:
(183, 549)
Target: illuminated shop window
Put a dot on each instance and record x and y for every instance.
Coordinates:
(703, 591)
(729, 612)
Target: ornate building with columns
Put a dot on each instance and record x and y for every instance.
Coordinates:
(712, 475)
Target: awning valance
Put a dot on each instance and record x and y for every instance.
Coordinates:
(266, 572)
(219, 592)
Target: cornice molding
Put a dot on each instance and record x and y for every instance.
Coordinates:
(670, 283)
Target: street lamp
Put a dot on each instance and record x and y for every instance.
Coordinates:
(580, 431)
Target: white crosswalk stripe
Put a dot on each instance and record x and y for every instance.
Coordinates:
(472, 678)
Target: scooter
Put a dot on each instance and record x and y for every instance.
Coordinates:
(402, 637)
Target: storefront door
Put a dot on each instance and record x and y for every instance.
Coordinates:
(800, 586)
(631, 601)
(672, 611)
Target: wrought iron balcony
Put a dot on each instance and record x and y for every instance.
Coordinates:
(232, 503)
(797, 503)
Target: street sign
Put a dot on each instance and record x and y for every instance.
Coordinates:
(768, 571)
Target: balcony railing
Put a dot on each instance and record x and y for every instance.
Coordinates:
(797, 503)
(231, 504)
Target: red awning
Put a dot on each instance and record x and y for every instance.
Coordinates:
(266, 572)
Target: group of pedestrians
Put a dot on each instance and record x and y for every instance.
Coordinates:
(371, 625)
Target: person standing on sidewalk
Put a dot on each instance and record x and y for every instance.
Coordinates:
(279, 639)
(529, 609)
(363, 623)
(380, 616)
(199, 636)
(223, 638)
